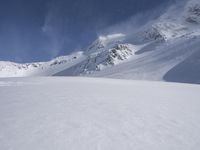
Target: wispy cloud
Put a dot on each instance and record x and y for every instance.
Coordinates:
(135, 22)
(54, 28)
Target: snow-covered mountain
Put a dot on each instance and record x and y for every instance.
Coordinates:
(167, 48)
(10, 69)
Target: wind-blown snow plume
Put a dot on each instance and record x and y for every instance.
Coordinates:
(54, 28)
(137, 21)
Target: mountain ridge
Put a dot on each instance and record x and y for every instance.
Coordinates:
(148, 54)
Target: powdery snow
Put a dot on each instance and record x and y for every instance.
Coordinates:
(103, 114)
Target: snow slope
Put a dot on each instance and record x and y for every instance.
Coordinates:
(85, 114)
(158, 49)
(155, 64)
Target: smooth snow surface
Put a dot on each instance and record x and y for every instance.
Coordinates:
(98, 114)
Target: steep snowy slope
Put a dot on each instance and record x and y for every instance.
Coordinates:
(154, 61)
(104, 114)
(156, 49)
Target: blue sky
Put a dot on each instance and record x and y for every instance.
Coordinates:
(38, 30)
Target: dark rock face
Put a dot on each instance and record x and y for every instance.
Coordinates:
(154, 34)
(108, 57)
(194, 14)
